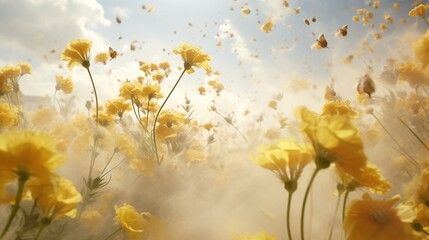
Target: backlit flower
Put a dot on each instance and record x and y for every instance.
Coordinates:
(25, 68)
(118, 106)
(193, 57)
(77, 53)
(286, 159)
(65, 84)
(335, 139)
(413, 73)
(130, 221)
(375, 219)
(102, 57)
(43, 116)
(8, 115)
(421, 50)
(56, 199)
(339, 107)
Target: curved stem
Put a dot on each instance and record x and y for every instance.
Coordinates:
(21, 182)
(346, 195)
(305, 201)
(289, 201)
(42, 226)
(96, 97)
(147, 112)
(157, 115)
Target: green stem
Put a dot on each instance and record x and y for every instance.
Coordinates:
(96, 97)
(346, 195)
(23, 177)
(305, 200)
(42, 226)
(289, 203)
(157, 115)
(112, 234)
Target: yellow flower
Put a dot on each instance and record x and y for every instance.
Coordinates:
(151, 92)
(102, 57)
(139, 226)
(193, 57)
(421, 50)
(10, 72)
(43, 116)
(118, 106)
(216, 85)
(259, 236)
(375, 219)
(369, 177)
(272, 104)
(337, 107)
(65, 84)
(130, 90)
(202, 90)
(335, 139)
(56, 199)
(164, 66)
(105, 119)
(77, 53)
(8, 115)
(158, 76)
(268, 26)
(286, 159)
(413, 74)
(419, 11)
(25, 68)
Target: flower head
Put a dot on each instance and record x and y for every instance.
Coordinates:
(421, 49)
(193, 57)
(65, 84)
(375, 219)
(286, 159)
(77, 53)
(334, 107)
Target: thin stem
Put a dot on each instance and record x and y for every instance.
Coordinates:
(42, 226)
(112, 234)
(331, 231)
(415, 134)
(305, 201)
(346, 195)
(289, 203)
(108, 162)
(159, 111)
(426, 21)
(21, 182)
(58, 101)
(396, 142)
(96, 97)
(147, 111)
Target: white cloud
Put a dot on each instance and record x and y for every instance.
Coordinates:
(38, 26)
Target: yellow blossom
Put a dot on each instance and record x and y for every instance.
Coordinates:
(286, 159)
(336, 139)
(193, 57)
(65, 84)
(8, 115)
(421, 50)
(25, 68)
(43, 116)
(102, 57)
(105, 119)
(375, 219)
(356, 18)
(413, 74)
(118, 106)
(419, 11)
(151, 92)
(158, 76)
(10, 72)
(164, 66)
(130, 90)
(339, 107)
(202, 90)
(56, 199)
(77, 53)
(144, 166)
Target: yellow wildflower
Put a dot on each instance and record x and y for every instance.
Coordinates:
(130, 90)
(413, 74)
(336, 139)
(164, 66)
(158, 76)
(8, 115)
(202, 90)
(57, 199)
(286, 159)
(10, 72)
(77, 53)
(419, 11)
(193, 57)
(102, 57)
(25, 68)
(105, 119)
(144, 166)
(375, 219)
(339, 107)
(118, 106)
(208, 126)
(43, 116)
(216, 85)
(65, 84)
(151, 92)
(421, 50)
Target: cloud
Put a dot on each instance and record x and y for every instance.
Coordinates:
(48, 24)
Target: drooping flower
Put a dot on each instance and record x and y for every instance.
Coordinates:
(65, 84)
(56, 199)
(77, 53)
(193, 57)
(286, 159)
(413, 73)
(375, 219)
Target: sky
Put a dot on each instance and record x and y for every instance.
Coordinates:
(253, 65)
